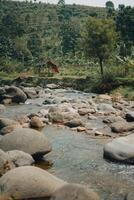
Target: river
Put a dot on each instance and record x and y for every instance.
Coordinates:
(78, 157)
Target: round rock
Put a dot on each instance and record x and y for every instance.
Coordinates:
(29, 182)
(120, 149)
(20, 158)
(28, 140)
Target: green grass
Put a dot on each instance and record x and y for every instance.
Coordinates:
(126, 92)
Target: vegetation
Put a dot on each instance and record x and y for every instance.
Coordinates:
(99, 39)
(79, 39)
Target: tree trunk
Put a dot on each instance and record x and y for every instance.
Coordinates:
(101, 67)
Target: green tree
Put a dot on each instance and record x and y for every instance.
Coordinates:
(61, 3)
(109, 4)
(110, 9)
(99, 39)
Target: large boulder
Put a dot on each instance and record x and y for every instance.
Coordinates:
(122, 126)
(120, 149)
(29, 182)
(20, 158)
(73, 192)
(27, 140)
(4, 122)
(17, 95)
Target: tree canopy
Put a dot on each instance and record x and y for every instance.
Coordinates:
(99, 39)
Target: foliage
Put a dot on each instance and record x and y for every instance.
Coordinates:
(99, 39)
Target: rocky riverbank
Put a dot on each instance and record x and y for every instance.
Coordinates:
(22, 144)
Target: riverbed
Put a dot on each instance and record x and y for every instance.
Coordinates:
(77, 157)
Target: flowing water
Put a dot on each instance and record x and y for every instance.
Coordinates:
(79, 158)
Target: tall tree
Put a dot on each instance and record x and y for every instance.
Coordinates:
(110, 9)
(109, 4)
(99, 39)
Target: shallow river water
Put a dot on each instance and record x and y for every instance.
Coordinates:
(79, 158)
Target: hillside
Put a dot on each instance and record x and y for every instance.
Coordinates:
(33, 30)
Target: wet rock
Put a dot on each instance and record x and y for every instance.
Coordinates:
(30, 92)
(4, 122)
(85, 111)
(20, 158)
(122, 126)
(98, 133)
(130, 116)
(73, 192)
(73, 123)
(81, 129)
(112, 119)
(29, 182)
(16, 94)
(27, 140)
(120, 149)
(36, 122)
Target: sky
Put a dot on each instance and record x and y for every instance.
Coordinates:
(94, 2)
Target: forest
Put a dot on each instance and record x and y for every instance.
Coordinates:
(81, 40)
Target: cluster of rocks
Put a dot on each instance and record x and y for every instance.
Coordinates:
(13, 94)
(29, 182)
(20, 149)
(21, 146)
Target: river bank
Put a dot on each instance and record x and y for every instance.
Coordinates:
(87, 84)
